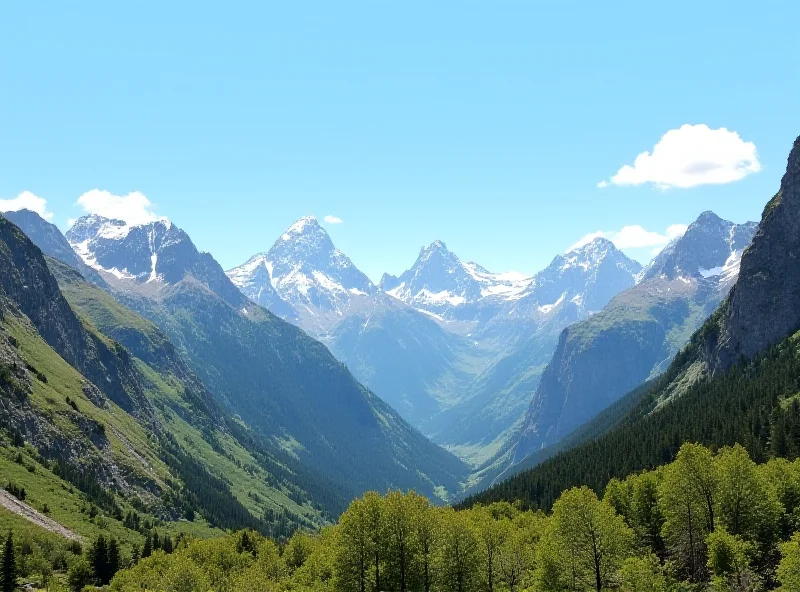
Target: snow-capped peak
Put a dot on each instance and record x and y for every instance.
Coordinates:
(587, 276)
(128, 251)
(710, 248)
(305, 269)
(439, 283)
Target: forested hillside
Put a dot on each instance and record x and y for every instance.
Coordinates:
(718, 520)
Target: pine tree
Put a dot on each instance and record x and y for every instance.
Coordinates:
(99, 559)
(8, 576)
(136, 555)
(114, 560)
(147, 550)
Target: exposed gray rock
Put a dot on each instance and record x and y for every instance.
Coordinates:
(764, 305)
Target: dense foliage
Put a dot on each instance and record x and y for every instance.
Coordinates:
(705, 521)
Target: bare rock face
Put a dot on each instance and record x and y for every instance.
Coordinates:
(764, 305)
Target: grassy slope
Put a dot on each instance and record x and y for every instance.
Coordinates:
(249, 482)
(124, 435)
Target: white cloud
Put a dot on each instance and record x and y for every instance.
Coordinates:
(332, 219)
(71, 222)
(26, 201)
(634, 237)
(133, 208)
(690, 156)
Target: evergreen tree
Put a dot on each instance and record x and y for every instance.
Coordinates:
(8, 577)
(114, 560)
(147, 550)
(167, 546)
(98, 557)
(136, 555)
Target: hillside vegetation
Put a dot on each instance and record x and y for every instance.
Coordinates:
(705, 521)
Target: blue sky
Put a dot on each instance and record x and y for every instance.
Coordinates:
(486, 125)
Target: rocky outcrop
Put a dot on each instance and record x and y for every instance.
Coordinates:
(764, 305)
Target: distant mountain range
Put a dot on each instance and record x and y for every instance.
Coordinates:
(455, 348)
(283, 383)
(491, 366)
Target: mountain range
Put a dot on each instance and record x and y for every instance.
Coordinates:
(487, 365)
(494, 367)
(287, 385)
(145, 389)
(440, 343)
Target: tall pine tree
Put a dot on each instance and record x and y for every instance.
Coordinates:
(8, 576)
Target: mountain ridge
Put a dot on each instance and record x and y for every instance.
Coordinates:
(599, 359)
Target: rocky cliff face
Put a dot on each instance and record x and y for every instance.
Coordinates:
(764, 305)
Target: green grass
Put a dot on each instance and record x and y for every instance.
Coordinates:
(50, 400)
(254, 487)
(230, 464)
(66, 504)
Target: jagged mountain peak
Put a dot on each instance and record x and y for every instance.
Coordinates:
(147, 257)
(708, 216)
(436, 246)
(710, 247)
(576, 283)
(437, 280)
(304, 242)
(94, 225)
(597, 244)
(586, 258)
(132, 251)
(306, 272)
(436, 253)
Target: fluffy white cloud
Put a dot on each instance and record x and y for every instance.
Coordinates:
(634, 237)
(690, 156)
(26, 201)
(133, 208)
(332, 219)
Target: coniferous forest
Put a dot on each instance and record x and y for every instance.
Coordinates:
(753, 404)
